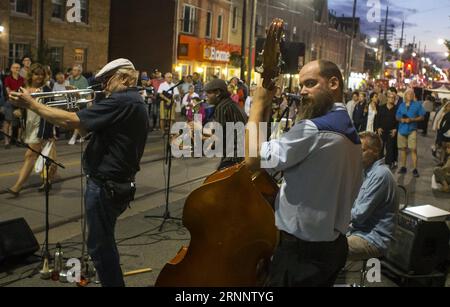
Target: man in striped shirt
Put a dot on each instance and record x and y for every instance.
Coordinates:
(227, 111)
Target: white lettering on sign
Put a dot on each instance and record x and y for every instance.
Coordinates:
(212, 54)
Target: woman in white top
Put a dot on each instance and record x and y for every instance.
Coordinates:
(36, 129)
(373, 109)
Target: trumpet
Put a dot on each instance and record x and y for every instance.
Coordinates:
(69, 100)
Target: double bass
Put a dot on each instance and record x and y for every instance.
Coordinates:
(230, 217)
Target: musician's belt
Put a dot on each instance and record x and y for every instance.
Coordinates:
(286, 237)
(100, 179)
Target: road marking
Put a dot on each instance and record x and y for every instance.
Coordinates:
(74, 163)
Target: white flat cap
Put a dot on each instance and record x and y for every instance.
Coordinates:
(113, 66)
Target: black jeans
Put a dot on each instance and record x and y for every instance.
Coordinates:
(154, 113)
(298, 263)
(390, 149)
(101, 216)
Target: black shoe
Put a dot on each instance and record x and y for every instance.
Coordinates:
(416, 173)
(42, 188)
(11, 192)
(403, 171)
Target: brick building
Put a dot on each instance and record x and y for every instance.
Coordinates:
(65, 43)
(205, 36)
(297, 15)
(332, 38)
(206, 29)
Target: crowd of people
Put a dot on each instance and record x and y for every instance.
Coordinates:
(398, 119)
(356, 144)
(395, 117)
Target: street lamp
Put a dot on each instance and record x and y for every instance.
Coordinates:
(414, 54)
(373, 40)
(401, 50)
(2, 29)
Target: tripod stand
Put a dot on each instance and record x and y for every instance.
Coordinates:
(168, 163)
(48, 162)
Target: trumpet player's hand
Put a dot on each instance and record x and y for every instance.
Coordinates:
(21, 99)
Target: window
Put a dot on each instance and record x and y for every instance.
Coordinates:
(210, 73)
(56, 58)
(189, 21)
(208, 24)
(219, 26)
(17, 52)
(21, 6)
(58, 9)
(80, 57)
(234, 21)
(84, 11)
(260, 30)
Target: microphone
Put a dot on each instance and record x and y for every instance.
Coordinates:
(297, 98)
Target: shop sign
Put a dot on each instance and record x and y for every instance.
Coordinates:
(213, 54)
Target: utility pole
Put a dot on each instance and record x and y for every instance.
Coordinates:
(244, 39)
(251, 45)
(401, 39)
(41, 25)
(383, 59)
(350, 59)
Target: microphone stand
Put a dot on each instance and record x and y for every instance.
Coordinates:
(48, 162)
(168, 162)
(286, 112)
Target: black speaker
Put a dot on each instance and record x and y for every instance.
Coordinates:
(291, 57)
(17, 241)
(419, 247)
(290, 53)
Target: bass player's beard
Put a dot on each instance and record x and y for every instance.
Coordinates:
(316, 106)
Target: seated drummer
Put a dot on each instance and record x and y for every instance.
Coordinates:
(374, 211)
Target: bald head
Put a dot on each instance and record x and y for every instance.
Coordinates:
(168, 77)
(322, 76)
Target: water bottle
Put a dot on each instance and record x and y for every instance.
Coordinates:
(59, 256)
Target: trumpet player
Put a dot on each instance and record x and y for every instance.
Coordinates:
(119, 126)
